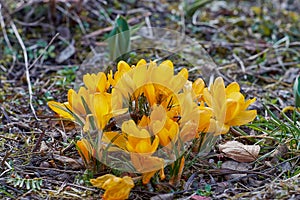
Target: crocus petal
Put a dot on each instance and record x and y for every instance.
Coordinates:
(167, 63)
(149, 92)
(218, 90)
(143, 147)
(147, 176)
(115, 188)
(204, 119)
(84, 149)
(129, 127)
(198, 87)
(162, 74)
(102, 82)
(207, 97)
(232, 87)
(99, 181)
(155, 144)
(123, 66)
(177, 83)
(95, 83)
(243, 117)
(141, 62)
(232, 110)
(247, 103)
(61, 109)
(236, 96)
(114, 138)
(75, 100)
(102, 109)
(184, 73)
(140, 75)
(164, 138)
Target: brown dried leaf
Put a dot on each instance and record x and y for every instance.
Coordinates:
(240, 152)
(44, 147)
(66, 53)
(163, 196)
(230, 164)
(72, 163)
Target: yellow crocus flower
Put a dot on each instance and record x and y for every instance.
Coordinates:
(205, 115)
(85, 150)
(228, 105)
(198, 88)
(101, 110)
(168, 133)
(74, 105)
(122, 68)
(62, 109)
(75, 100)
(116, 188)
(96, 83)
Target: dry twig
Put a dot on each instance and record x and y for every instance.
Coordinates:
(15, 30)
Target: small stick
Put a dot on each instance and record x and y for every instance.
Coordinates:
(238, 59)
(15, 30)
(38, 142)
(7, 154)
(7, 138)
(44, 50)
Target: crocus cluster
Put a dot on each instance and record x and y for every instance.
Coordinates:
(149, 113)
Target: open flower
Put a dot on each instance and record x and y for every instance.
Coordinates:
(139, 140)
(168, 134)
(154, 96)
(116, 188)
(101, 111)
(62, 109)
(157, 83)
(74, 109)
(228, 105)
(80, 104)
(96, 82)
(141, 147)
(77, 101)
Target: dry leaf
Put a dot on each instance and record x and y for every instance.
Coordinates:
(233, 165)
(72, 163)
(66, 53)
(240, 152)
(163, 196)
(44, 147)
(198, 197)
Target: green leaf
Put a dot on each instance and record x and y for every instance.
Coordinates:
(27, 184)
(297, 91)
(33, 184)
(22, 183)
(119, 39)
(6, 193)
(136, 27)
(38, 185)
(17, 182)
(191, 9)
